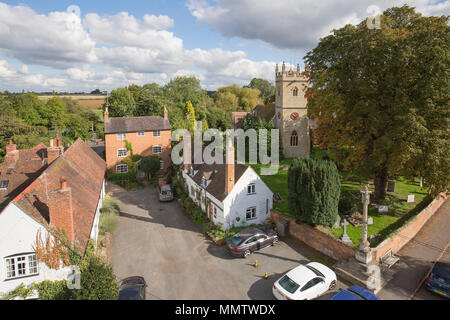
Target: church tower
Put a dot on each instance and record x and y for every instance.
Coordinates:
(291, 112)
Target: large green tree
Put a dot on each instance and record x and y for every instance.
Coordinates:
(314, 191)
(121, 103)
(266, 88)
(381, 97)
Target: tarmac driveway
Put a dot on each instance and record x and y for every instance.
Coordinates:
(157, 241)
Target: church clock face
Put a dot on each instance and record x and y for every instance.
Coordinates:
(294, 116)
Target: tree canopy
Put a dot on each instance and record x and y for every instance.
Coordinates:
(381, 97)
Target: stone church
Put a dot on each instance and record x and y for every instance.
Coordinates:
(291, 112)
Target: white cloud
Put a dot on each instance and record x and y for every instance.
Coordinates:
(56, 39)
(23, 79)
(294, 24)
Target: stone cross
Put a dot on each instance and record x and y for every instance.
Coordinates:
(345, 224)
(363, 254)
(345, 238)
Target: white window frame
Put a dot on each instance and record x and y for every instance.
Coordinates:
(120, 153)
(153, 149)
(141, 134)
(252, 211)
(121, 136)
(161, 164)
(156, 133)
(215, 213)
(19, 266)
(122, 165)
(251, 189)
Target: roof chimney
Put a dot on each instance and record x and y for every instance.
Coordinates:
(106, 114)
(58, 141)
(60, 209)
(10, 147)
(166, 113)
(229, 170)
(52, 152)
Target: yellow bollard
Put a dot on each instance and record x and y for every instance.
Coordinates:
(256, 264)
(266, 276)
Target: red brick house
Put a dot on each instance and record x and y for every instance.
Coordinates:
(150, 135)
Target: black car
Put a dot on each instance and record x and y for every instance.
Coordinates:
(132, 288)
(439, 279)
(250, 240)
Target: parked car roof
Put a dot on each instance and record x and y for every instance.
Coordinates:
(442, 269)
(354, 293)
(249, 232)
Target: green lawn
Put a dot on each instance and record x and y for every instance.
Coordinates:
(384, 224)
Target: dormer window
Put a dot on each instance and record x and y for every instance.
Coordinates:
(4, 184)
(204, 182)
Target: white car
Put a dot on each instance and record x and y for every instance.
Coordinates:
(305, 282)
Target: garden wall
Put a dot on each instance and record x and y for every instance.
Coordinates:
(316, 239)
(408, 231)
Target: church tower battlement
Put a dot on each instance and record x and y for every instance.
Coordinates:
(291, 111)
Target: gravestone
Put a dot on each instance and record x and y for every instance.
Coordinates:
(337, 224)
(391, 186)
(345, 238)
(383, 209)
(411, 198)
(369, 221)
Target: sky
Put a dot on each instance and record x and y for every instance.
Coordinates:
(79, 46)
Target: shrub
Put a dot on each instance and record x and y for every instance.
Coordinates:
(54, 290)
(97, 278)
(347, 206)
(314, 190)
(108, 218)
(150, 165)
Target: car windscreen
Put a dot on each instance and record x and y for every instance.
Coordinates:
(235, 241)
(288, 284)
(166, 192)
(317, 272)
(130, 293)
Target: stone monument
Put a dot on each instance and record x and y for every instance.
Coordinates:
(364, 254)
(345, 238)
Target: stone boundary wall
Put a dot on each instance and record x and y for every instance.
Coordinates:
(403, 235)
(315, 239)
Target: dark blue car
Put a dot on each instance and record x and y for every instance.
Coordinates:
(439, 279)
(354, 293)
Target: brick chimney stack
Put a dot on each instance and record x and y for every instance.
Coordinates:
(230, 167)
(10, 147)
(106, 114)
(60, 209)
(52, 152)
(166, 113)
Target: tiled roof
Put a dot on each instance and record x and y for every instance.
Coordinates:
(84, 171)
(20, 168)
(216, 173)
(136, 124)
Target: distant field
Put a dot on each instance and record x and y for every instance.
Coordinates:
(91, 101)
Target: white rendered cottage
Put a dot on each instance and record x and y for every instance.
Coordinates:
(44, 188)
(231, 194)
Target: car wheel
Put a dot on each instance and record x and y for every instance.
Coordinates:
(332, 285)
(275, 241)
(246, 253)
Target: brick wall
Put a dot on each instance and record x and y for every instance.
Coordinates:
(142, 145)
(402, 236)
(316, 239)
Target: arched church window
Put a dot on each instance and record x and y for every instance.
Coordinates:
(295, 92)
(294, 139)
